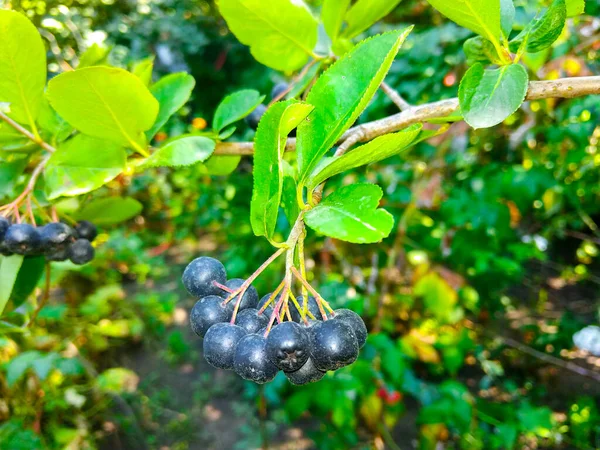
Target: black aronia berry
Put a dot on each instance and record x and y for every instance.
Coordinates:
(254, 335)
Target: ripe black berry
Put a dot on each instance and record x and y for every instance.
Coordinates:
(220, 343)
(313, 307)
(333, 344)
(250, 320)
(56, 235)
(254, 117)
(58, 254)
(200, 274)
(206, 312)
(308, 373)
(288, 346)
(81, 252)
(22, 239)
(4, 224)
(250, 360)
(250, 297)
(86, 230)
(356, 322)
(279, 89)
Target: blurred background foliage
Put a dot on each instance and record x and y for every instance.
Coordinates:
(471, 303)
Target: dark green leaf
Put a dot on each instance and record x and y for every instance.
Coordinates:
(235, 107)
(543, 31)
(269, 143)
(351, 214)
(487, 97)
(172, 92)
(110, 211)
(183, 151)
(341, 94)
(289, 199)
(10, 173)
(16, 367)
(9, 270)
(29, 276)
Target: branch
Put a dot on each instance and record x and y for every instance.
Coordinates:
(562, 88)
(396, 98)
(27, 133)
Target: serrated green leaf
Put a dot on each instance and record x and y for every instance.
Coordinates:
(351, 214)
(487, 97)
(83, 164)
(95, 55)
(235, 107)
(378, 149)
(575, 7)
(222, 165)
(9, 270)
(332, 16)
(543, 31)
(105, 102)
(172, 92)
(478, 49)
(507, 16)
(365, 13)
(479, 16)
(183, 151)
(22, 66)
(289, 199)
(110, 210)
(143, 70)
(269, 144)
(341, 94)
(281, 34)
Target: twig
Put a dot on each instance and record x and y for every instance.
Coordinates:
(27, 133)
(30, 186)
(294, 82)
(562, 88)
(395, 97)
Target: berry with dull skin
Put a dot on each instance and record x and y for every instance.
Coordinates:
(254, 117)
(4, 225)
(81, 252)
(86, 230)
(250, 360)
(356, 322)
(206, 312)
(288, 346)
(308, 373)
(251, 321)
(199, 277)
(58, 254)
(278, 90)
(56, 235)
(250, 297)
(333, 344)
(220, 343)
(22, 239)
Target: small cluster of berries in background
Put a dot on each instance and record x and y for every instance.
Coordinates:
(252, 337)
(56, 241)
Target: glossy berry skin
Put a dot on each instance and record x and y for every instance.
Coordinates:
(58, 254)
(86, 230)
(251, 321)
(308, 373)
(313, 307)
(199, 275)
(250, 297)
(220, 343)
(254, 117)
(206, 312)
(356, 322)
(333, 344)
(279, 89)
(288, 346)
(251, 362)
(56, 235)
(81, 252)
(22, 239)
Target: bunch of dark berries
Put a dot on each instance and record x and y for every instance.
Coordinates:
(255, 342)
(56, 241)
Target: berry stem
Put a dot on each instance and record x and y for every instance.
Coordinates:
(222, 287)
(275, 312)
(302, 310)
(273, 295)
(303, 267)
(320, 300)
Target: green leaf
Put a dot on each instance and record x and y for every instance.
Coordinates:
(378, 149)
(507, 16)
(183, 151)
(478, 49)
(269, 143)
(351, 214)
(341, 94)
(95, 55)
(117, 380)
(172, 92)
(332, 16)
(52, 123)
(289, 199)
(365, 13)
(480, 16)
(487, 97)
(82, 164)
(110, 210)
(143, 70)
(9, 270)
(222, 165)
(16, 367)
(22, 66)
(105, 102)
(10, 171)
(438, 296)
(235, 107)
(29, 276)
(281, 34)
(543, 31)
(575, 7)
